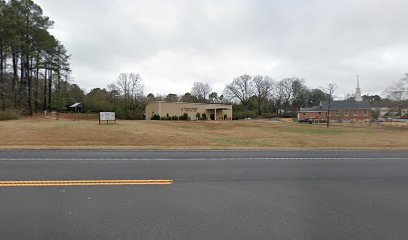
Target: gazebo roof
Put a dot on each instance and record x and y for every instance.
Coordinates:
(78, 104)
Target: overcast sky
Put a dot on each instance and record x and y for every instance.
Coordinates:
(173, 43)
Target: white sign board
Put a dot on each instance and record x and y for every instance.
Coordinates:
(107, 116)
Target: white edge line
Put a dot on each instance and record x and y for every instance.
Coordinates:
(201, 159)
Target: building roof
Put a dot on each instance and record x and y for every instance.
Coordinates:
(78, 104)
(313, 109)
(346, 104)
(337, 105)
(219, 104)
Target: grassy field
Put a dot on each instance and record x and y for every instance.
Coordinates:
(255, 134)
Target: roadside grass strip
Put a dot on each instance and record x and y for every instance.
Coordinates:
(51, 183)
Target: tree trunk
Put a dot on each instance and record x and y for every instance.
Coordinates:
(259, 106)
(22, 79)
(37, 84)
(2, 80)
(45, 89)
(328, 112)
(29, 73)
(15, 77)
(49, 89)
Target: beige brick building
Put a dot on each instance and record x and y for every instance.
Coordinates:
(169, 109)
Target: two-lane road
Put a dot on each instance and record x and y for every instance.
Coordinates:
(205, 195)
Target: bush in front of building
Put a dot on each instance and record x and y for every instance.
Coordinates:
(203, 117)
(184, 117)
(167, 117)
(155, 117)
(174, 118)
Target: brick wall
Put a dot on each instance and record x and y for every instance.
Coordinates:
(340, 115)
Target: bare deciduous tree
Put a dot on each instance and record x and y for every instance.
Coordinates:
(200, 90)
(129, 85)
(398, 92)
(135, 87)
(300, 94)
(241, 88)
(285, 92)
(262, 88)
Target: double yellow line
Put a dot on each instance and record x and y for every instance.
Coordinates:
(83, 183)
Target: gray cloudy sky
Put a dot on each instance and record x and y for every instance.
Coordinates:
(173, 43)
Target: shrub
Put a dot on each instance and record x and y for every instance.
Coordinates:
(289, 115)
(270, 115)
(204, 116)
(9, 115)
(198, 116)
(184, 117)
(155, 117)
(244, 114)
(174, 118)
(125, 114)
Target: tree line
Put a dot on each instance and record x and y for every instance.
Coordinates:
(34, 65)
(35, 76)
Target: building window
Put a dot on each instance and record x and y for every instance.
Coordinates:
(365, 112)
(346, 113)
(355, 113)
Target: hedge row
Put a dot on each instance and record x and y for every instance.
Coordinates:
(183, 117)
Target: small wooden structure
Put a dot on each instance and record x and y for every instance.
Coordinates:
(76, 108)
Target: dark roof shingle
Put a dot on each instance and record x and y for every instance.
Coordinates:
(346, 104)
(338, 105)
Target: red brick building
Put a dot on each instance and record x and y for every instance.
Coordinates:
(352, 110)
(340, 111)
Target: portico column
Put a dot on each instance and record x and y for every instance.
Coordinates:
(215, 115)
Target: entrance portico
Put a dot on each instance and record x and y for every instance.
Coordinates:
(217, 113)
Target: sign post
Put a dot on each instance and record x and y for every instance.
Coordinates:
(107, 116)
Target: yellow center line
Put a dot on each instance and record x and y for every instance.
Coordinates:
(47, 183)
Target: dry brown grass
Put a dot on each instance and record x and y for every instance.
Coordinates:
(60, 134)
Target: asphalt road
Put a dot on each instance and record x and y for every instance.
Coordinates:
(215, 195)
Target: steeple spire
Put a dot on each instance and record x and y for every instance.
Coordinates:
(358, 82)
(358, 97)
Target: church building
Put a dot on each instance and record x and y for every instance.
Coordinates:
(212, 111)
(352, 110)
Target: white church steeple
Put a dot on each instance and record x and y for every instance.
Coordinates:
(358, 97)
